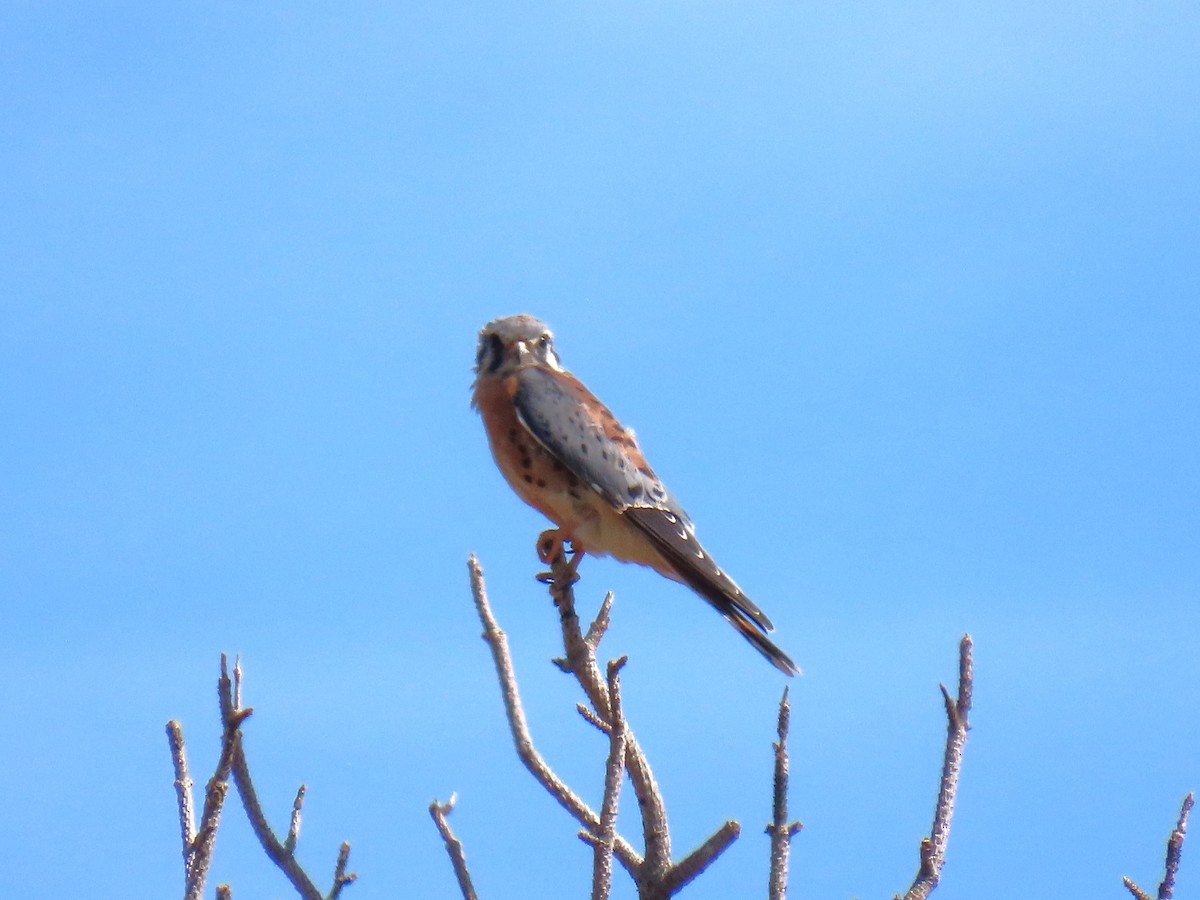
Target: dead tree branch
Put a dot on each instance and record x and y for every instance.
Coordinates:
(282, 853)
(581, 662)
(682, 873)
(198, 842)
(614, 772)
(933, 848)
(523, 741)
(454, 847)
(183, 796)
(780, 830)
(1166, 888)
(656, 877)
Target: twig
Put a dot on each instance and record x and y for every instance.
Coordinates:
(581, 662)
(780, 830)
(1175, 849)
(341, 877)
(687, 869)
(458, 859)
(933, 848)
(279, 852)
(1166, 888)
(614, 770)
(592, 719)
(183, 791)
(198, 842)
(682, 873)
(655, 876)
(600, 624)
(523, 741)
(293, 835)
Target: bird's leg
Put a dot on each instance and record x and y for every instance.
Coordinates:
(550, 545)
(577, 554)
(551, 550)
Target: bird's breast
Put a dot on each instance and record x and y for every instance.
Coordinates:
(537, 476)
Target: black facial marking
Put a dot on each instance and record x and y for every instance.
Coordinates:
(495, 350)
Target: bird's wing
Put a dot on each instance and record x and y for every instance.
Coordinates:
(579, 431)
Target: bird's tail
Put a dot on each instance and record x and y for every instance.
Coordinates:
(758, 640)
(686, 561)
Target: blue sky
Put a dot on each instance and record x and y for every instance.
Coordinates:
(902, 301)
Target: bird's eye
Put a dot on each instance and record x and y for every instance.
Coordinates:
(544, 341)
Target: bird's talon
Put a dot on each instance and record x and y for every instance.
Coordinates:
(550, 546)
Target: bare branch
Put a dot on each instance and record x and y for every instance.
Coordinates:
(614, 771)
(341, 877)
(687, 869)
(656, 878)
(780, 830)
(458, 859)
(599, 624)
(592, 719)
(581, 662)
(237, 679)
(274, 849)
(279, 853)
(933, 848)
(198, 851)
(523, 741)
(293, 835)
(1166, 888)
(183, 791)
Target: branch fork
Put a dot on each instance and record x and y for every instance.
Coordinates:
(198, 842)
(652, 869)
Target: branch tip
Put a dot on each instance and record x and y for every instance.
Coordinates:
(932, 852)
(454, 848)
(592, 719)
(687, 869)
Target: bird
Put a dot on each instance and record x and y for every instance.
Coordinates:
(565, 454)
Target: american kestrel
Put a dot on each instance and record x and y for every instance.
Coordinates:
(567, 456)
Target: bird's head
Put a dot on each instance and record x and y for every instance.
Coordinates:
(512, 343)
